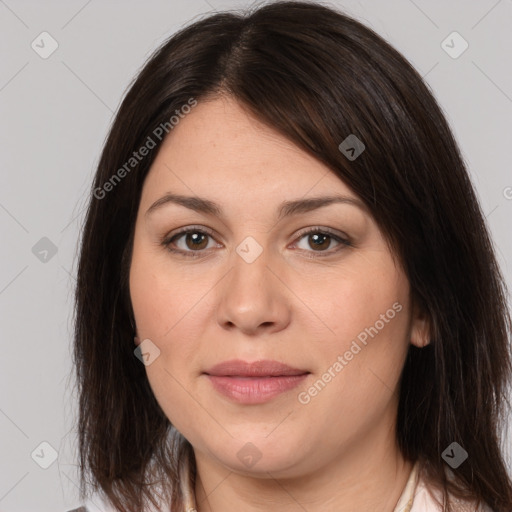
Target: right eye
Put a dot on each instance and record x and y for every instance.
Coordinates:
(194, 240)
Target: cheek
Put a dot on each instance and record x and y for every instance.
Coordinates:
(162, 297)
(367, 301)
(170, 309)
(166, 317)
(365, 315)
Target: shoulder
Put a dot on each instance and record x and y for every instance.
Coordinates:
(430, 499)
(95, 504)
(98, 503)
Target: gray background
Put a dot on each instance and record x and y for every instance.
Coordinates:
(54, 117)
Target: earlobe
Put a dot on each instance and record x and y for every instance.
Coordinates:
(136, 340)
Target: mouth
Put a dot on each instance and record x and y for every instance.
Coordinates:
(254, 383)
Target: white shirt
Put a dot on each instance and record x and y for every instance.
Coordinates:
(416, 497)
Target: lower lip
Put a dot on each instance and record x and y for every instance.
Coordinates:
(254, 390)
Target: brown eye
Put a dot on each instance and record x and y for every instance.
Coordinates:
(193, 242)
(319, 241)
(196, 240)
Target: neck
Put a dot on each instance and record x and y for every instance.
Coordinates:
(370, 475)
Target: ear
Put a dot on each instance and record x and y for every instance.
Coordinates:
(420, 327)
(136, 340)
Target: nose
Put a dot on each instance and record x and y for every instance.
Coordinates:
(252, 298)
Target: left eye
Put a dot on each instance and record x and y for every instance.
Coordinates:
(321, 240)
(196, 240)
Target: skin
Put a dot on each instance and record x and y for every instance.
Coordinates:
(337, 452)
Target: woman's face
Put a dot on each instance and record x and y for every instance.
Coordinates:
(270, 282)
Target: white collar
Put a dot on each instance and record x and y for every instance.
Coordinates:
(418, 496)
(406, 500)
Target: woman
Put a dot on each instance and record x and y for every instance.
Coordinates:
(287, 295)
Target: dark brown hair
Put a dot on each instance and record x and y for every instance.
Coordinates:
(316, 76)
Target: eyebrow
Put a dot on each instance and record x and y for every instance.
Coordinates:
(286, 208)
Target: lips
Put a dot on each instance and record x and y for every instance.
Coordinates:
(262, 368)
(254, 383)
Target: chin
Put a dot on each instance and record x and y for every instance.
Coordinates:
(260, 457)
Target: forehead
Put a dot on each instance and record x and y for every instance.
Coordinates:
(220, 150)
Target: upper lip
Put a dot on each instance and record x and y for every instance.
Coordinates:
(262, 368)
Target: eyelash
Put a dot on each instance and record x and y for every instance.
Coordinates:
(168, 240)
